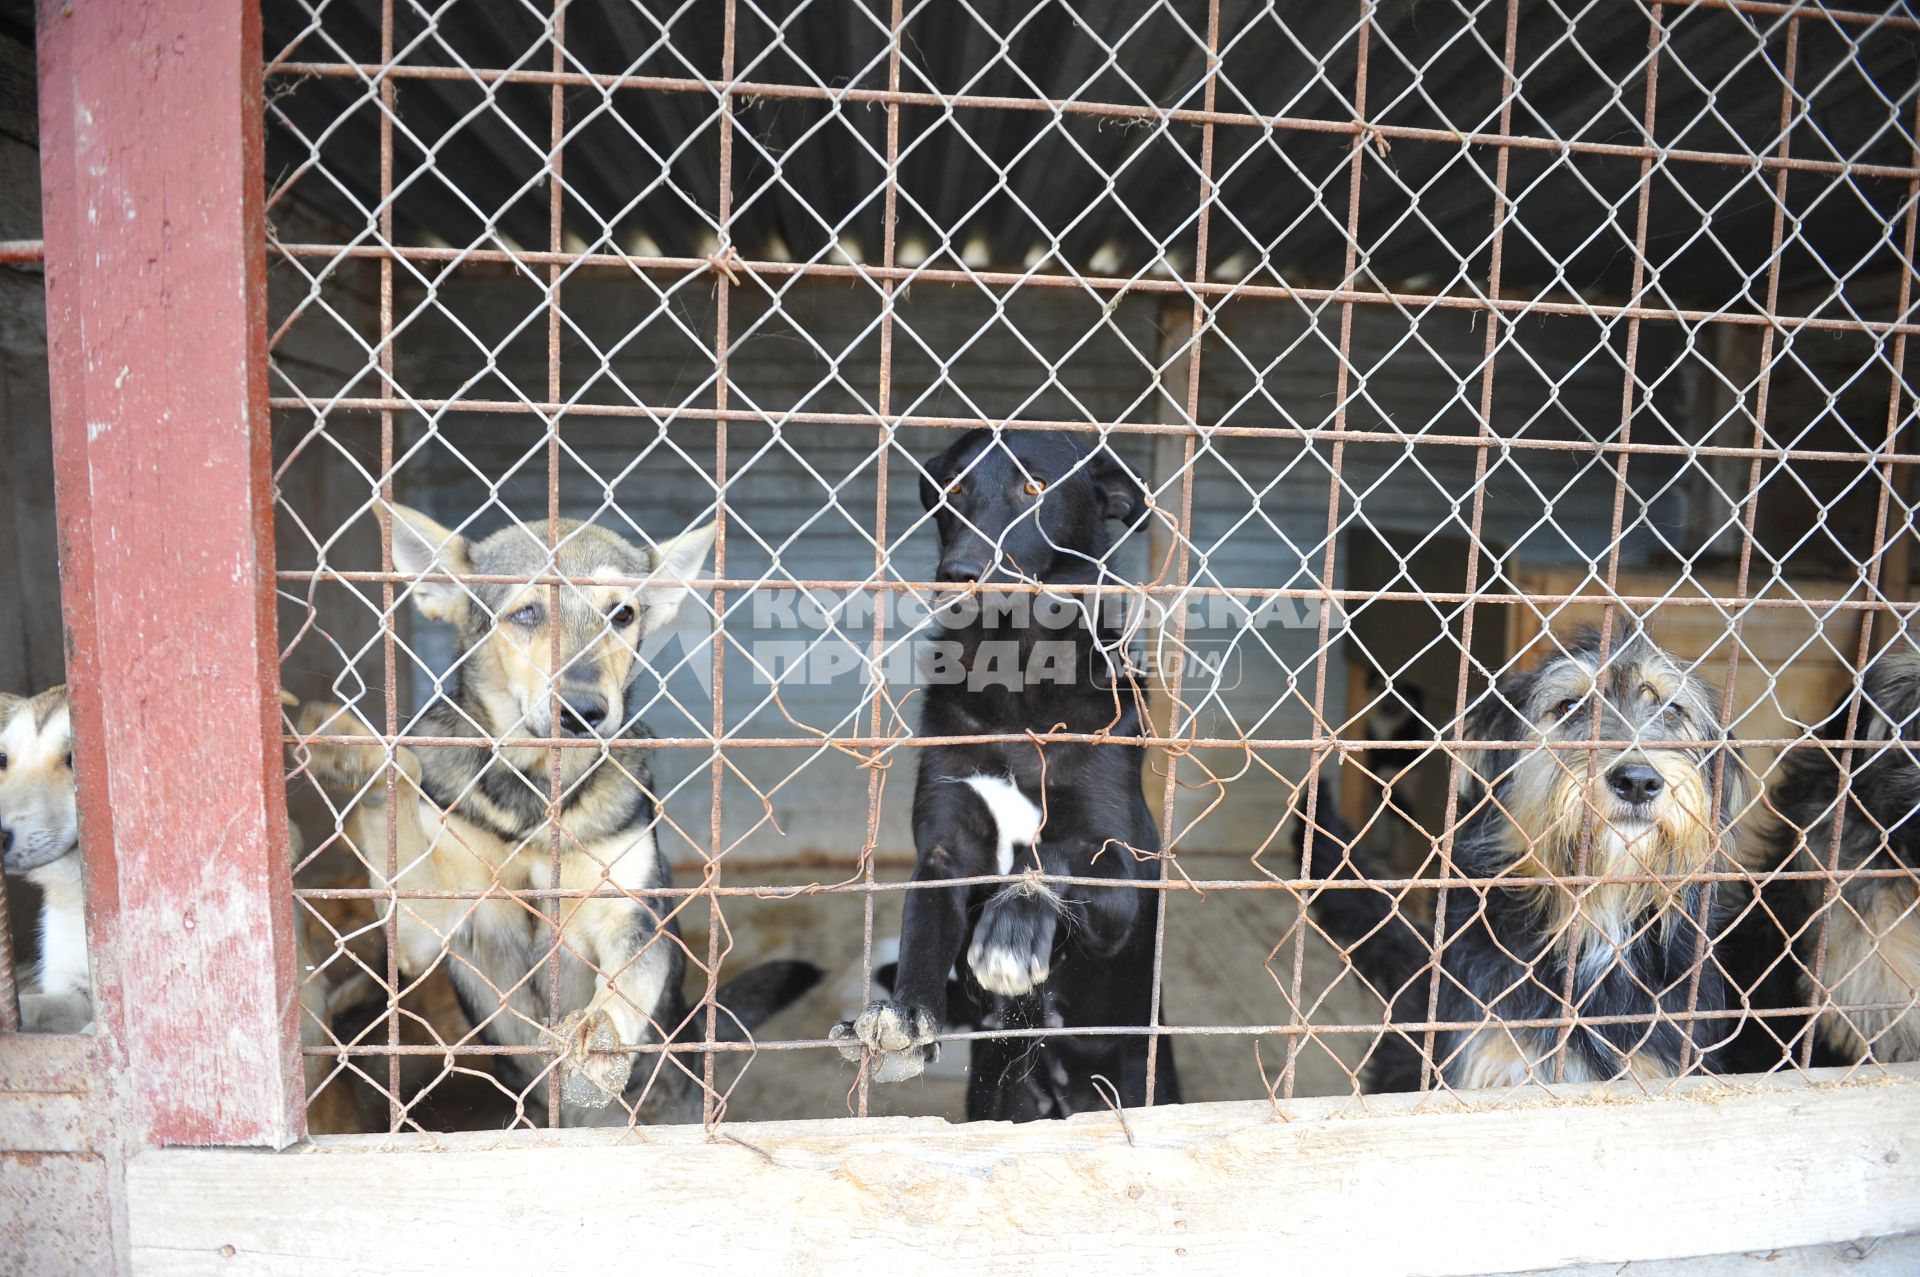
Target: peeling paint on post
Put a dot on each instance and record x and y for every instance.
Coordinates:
(150, 128)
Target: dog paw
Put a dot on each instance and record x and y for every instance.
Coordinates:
(1012, 950)
(337, 765)
(900, 1036)
(347, 768)
(590, 1076)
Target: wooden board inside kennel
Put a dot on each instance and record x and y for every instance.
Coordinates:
(1793, 662)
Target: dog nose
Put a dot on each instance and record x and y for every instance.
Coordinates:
(1635, 782)
(582, 713)
(961, 571)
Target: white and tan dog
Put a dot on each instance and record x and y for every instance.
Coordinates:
(40, 832)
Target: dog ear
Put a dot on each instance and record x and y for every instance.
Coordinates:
(421, 545)
(1122, 495)
(675, 562)
(1495, 716)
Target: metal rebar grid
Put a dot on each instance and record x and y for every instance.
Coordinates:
(792, 252)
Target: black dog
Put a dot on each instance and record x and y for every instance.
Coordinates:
(1628, 951)
(1027, 506)
(1872, 963)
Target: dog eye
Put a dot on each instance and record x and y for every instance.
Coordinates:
(1566, 707)
(1673, 714)
(622, 616)
(3, 761)
(953, 489)
(1035, 487)
(528, 616)
(69, 760)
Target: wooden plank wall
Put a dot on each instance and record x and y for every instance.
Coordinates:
(1500, 1185)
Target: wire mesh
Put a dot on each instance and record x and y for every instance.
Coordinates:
(1432, 333)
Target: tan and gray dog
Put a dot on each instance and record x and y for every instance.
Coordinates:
(474, 818)
(1646, 808)
(40, 832)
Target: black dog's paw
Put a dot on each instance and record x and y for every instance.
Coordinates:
(900, 1036)
(1012, 951)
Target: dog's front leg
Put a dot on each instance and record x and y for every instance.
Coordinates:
(1101, 919)
(63, 1000)
(635, 964)
(432, 855)
(420, 827)
(350, 769)
(1012, 949)
(899, 1031)
(896, 1035)
(63, 927)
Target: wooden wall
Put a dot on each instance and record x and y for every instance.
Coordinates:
(1791, 664)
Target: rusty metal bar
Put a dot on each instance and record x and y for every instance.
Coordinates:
(1196, 885)
(1103, 284)
(876, 772)
(1241, 743)
(1183, 540)
(1815, 605)
(9, 994)
(1449, 822)
(710, 1106)
(1408, 1029)
(556, 142)
(515, 407)
(1343, 370)
(389, 662)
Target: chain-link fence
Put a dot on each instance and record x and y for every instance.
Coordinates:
(1430, 333)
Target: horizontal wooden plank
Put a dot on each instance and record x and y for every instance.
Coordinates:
(51, 1097)
(54, 1213)
(49, 1122)
(1491, 1185)
(63, 1062)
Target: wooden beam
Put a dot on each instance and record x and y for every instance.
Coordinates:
(150, 131)
(1501, 1183)
(1721, 415)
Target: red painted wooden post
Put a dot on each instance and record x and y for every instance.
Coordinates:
(150, 135)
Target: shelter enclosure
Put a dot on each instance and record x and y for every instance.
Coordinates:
(1432, 333)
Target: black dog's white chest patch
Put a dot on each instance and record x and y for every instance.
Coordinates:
(1016, 818)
